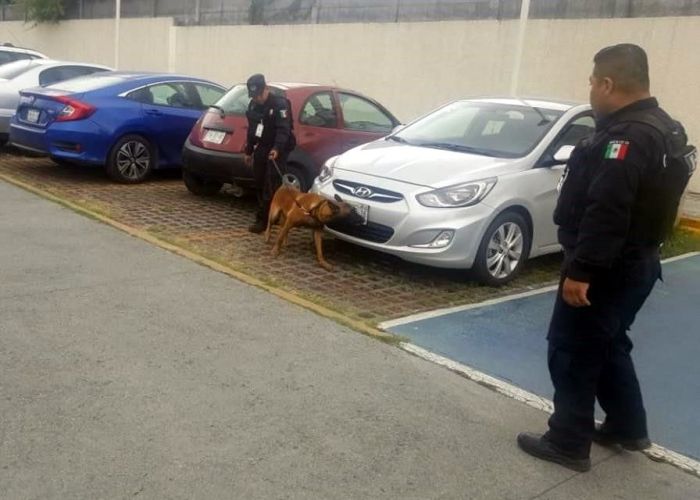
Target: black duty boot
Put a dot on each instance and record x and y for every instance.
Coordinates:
(539, 446)
(257, 227)
(606, 437)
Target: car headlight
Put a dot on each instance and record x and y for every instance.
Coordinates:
(327, 170)
(461, 195)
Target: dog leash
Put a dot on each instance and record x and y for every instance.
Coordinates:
(287, 179)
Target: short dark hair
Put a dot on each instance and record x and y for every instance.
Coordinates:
(625, 64)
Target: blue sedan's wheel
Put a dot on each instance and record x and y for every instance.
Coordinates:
(131, 159)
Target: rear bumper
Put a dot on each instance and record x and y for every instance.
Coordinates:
(81, 141)
(216, 165)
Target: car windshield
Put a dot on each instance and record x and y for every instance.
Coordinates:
(484, 128)
(236, 100)
(88, 83)
(14, 69)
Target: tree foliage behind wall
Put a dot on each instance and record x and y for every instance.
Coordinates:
(43, 11)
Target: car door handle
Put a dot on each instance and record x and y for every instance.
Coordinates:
(153, 112)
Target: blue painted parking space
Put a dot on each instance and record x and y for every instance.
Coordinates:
(507, 340)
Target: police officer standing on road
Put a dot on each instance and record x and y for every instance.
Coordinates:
(270, 140)
(619, 198)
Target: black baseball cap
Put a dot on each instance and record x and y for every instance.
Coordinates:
(256, 84)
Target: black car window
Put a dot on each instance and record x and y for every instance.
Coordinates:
(6, 57)
(318, 111)
(51, 75)
(579, 128)
(173, 94)
(208, 94)
(362, 115)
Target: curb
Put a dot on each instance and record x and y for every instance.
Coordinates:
(243, 277)
(656, 453)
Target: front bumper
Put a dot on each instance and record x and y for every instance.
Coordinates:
(397, 228)
(216, 165)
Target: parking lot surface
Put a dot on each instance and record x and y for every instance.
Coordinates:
(507, 340)
(367, 286)
(129, 372)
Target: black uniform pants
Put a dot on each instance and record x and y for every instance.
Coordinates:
(266, 178)
(589, 358)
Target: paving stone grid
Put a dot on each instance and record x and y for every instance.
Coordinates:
(365, 285)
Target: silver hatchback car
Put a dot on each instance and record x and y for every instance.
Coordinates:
(471, 185)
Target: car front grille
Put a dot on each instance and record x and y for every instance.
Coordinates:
(376, 233)
(365, 192)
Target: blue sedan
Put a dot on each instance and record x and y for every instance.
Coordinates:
(130, 123)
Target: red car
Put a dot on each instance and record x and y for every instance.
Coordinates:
(327, 122)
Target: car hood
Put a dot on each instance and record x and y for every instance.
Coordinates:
(423, 166)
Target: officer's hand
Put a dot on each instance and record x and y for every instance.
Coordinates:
(575, 293)
(273, 155)
(248, 160)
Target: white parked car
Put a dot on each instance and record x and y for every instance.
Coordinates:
(471, 185)
(9, 53)
(20, 75)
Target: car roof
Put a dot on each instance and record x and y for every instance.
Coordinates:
(294, 85)
(144, 76)
(54, 62)
(555, 104)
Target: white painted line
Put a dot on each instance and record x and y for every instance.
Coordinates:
(656, 452)
(449, 310)
(680, 257)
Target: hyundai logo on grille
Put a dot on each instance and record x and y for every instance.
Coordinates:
(367, 192)
(362, 192)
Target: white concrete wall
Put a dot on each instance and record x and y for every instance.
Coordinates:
(410, 67)
(144, 43)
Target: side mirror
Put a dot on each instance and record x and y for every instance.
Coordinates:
(563, 154)
(397, 129)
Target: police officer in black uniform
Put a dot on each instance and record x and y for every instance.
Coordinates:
(270, 139)
(614, 210)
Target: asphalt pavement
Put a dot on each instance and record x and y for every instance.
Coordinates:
(129, 372)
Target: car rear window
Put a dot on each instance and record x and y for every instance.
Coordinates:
(89, 82)
(14, 69)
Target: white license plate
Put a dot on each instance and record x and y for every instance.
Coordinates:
(215, 136)
(362, 211)
(33, 115)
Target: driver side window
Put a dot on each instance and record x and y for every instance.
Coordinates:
(581, 127)
(361, 115)
(318, 111)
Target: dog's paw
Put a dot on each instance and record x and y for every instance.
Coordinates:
(275, 252)
(326, 266)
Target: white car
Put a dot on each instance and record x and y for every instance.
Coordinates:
(9, 53)
(20, 75)
(471, 185)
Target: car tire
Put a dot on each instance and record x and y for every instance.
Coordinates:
(298, 175)
(503, 251)
(131, 160)
(200, 186)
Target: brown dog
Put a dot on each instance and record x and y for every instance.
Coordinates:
(291, 208)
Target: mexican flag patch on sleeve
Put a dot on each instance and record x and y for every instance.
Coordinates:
(616, 150)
